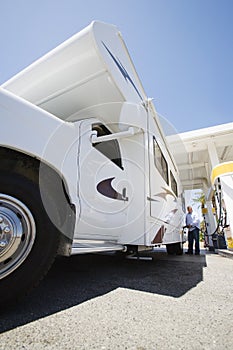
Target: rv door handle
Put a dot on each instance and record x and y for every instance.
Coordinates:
(124, 197)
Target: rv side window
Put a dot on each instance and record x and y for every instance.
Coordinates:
(173, 184)
(160, 161)
(109, 149)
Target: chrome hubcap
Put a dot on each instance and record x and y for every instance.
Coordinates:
(17, 234)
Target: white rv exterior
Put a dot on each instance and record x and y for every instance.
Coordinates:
(84, 163)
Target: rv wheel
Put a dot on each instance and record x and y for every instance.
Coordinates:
(170, 249)
(175, 248)
(28, 240)
(179, 248)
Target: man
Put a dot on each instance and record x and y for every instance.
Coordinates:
(193, 224)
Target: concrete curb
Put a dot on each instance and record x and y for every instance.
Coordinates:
(226, 253)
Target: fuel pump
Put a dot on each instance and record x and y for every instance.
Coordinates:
(215, 219)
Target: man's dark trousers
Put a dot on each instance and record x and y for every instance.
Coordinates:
(193, 236)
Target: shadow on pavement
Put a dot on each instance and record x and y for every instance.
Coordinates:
(73, 280)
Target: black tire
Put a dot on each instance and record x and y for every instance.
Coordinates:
(170, 249)
(179, 248)
(175, 248)
(30, 248)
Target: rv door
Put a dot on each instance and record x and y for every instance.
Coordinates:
(103, 185)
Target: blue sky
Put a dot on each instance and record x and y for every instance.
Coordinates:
(182, 49)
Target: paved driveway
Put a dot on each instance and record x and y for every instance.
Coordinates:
(106, 302)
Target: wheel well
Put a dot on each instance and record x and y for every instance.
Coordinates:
(19, 163)
(52, 189)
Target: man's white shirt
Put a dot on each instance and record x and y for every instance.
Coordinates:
(193, 220)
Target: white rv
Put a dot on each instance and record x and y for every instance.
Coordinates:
(84, 163)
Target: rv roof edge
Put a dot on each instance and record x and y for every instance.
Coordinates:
(91, 68)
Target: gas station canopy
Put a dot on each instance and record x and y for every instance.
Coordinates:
(198, 152)
(204, 158)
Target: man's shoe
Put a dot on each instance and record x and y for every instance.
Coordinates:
(189, 253)
(197, 253)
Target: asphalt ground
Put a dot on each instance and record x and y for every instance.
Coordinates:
(108, 302)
